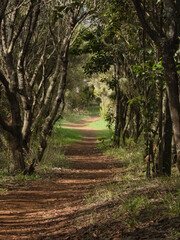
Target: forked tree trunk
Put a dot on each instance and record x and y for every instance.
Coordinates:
(52, 117)
(28, 75)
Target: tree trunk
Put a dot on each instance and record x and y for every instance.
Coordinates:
(159, 164)
(171, 79)
(167, 142)
(138, 128)
(17, 155)
(167, 41)
(117, 131)
(52, 117)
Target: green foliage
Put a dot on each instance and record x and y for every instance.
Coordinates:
(78, 115)
(171, 202)
(3, 173)
(137, 200)
(111, 84)
(61, 10)
(92, 111)
(99, 62)
(53, 158)
(88, 41)
(174, 234)
(135, 100)
(147, 75)
(22, 177)
(99, 124)
(64, 136)
(132, 208)
(104, 134)
(5, 162)
(109, 118)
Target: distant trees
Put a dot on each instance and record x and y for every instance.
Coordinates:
(137, 65)
(145, 64)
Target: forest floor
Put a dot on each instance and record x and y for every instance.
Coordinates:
(56, 205)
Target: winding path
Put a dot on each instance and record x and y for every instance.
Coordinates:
(49, 208)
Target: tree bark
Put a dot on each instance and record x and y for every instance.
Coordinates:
(17, 154)
(167, 41)
(52, 116)
(33, 72)
(171, 79)
(167, 136)
(159, 163)
(117, 131)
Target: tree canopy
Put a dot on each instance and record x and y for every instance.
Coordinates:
(130, 49)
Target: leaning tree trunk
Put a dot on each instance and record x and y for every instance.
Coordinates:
(52, 117)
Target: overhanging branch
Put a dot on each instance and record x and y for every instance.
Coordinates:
(141, 15)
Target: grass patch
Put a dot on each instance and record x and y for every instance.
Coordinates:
(131, 157)
(2, 174)
(65, 136)
(99, 124)
(54, 156)
(92, 111)
(131, 208)
(22, 177)
(80, 115)
(104, 135)
(135, 200)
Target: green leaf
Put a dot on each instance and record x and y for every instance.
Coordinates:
(134, 100)
(149, 50)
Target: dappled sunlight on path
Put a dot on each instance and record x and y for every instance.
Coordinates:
(48, 208)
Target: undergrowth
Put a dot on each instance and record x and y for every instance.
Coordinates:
(63, 136)
(104, 134)
(77, 115)
(54, 156)
(137, 200)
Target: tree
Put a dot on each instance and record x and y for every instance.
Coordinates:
(164, 31)
(3, 6)
(34, 41)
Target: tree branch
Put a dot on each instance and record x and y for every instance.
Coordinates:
(141, 15)
(3, 9)
(16, 35)
(4, 81)
(5, 126)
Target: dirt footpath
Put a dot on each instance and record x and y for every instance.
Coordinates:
(50, 208)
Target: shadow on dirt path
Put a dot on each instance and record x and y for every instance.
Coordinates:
(48, 208)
